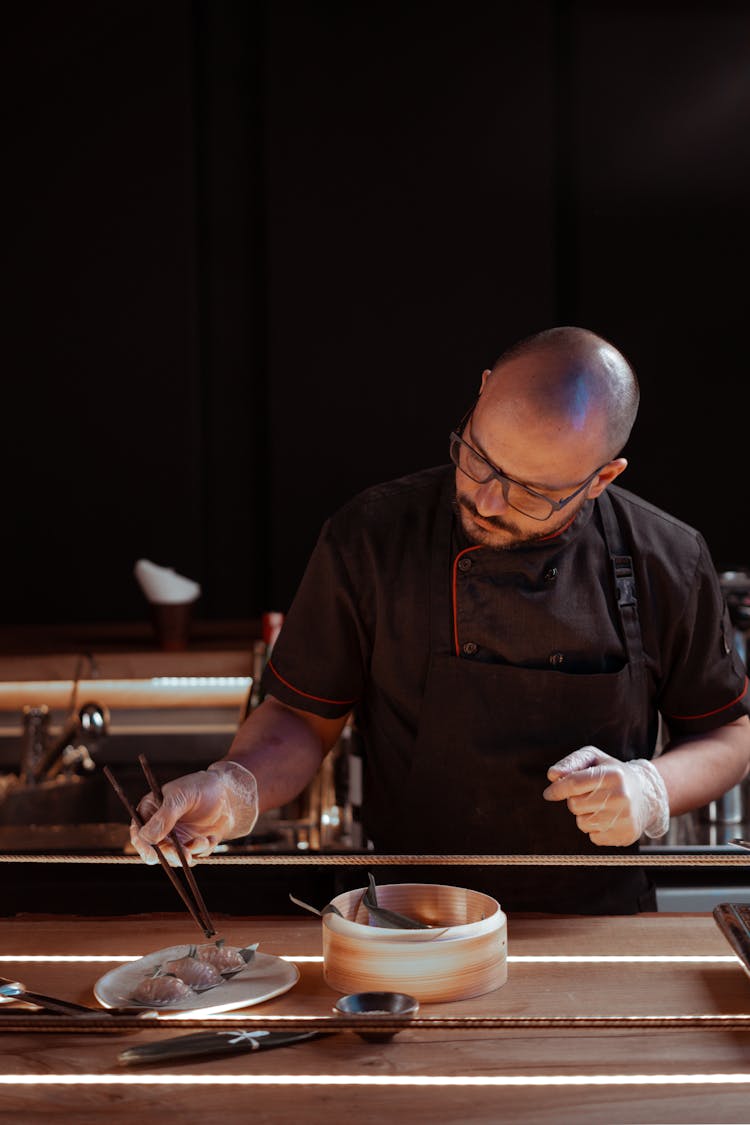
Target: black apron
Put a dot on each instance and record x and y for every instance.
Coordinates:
(488, 733)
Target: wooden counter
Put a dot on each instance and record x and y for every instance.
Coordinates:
(575, 1075)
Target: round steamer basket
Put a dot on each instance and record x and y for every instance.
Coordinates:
(465, 954)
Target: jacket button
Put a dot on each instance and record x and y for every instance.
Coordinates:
(464, 564)
(470, 648)
(556, 658)
(551, 574)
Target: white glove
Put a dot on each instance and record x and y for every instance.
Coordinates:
(220, 803)
(613, 802)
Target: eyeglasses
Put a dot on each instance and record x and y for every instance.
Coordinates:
(518, 496)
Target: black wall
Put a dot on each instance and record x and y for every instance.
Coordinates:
(257, 255)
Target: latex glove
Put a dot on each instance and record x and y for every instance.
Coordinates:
(203, 808)
(613, 802)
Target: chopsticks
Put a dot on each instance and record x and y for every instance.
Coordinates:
(195, 904)
(206, 925)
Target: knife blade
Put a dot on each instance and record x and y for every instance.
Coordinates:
(213, 1043)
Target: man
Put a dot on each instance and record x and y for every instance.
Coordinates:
(508, 631)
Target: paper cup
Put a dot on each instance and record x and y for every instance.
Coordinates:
(171, 623)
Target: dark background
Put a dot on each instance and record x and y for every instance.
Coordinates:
(257, 256)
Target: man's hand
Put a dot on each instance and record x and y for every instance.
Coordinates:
(220, 803)
(613, 802)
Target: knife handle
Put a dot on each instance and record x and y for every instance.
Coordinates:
(212, 1044)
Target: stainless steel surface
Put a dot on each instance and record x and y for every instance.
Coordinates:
(695, 829)
(93, 720)
(731, 808)
(702, 890)
(42, 757)
(733, 919)
(64, 800)
(727, 809)
(698, 899)
(33, 742)
(324, 815)
(735, 585)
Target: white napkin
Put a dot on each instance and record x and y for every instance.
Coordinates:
(163, 586)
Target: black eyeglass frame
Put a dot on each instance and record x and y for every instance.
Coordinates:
(504, 479)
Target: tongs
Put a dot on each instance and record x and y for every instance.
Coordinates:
(189, 894)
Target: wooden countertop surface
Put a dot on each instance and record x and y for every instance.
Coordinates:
(493, 1075)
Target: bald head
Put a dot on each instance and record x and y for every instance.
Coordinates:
(571, 380)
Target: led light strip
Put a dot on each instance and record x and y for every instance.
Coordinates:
(730, 1079)
(613, 959)
(202, 681)
(103, 958)
(554, 959)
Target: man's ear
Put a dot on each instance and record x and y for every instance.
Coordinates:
(485, 376)
(606, 475)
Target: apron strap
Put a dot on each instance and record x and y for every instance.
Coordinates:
(624, 580)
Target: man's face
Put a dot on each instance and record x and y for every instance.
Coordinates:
(548, 457)
(506, 529)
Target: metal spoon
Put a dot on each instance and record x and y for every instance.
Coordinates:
(15, 990)
(329, 909)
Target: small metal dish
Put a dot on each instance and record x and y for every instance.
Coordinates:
(374, 1004)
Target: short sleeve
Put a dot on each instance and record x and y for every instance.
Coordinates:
(706, 685)
(318, 661)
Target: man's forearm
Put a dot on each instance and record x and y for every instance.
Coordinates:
(283, 748)
(699, 769)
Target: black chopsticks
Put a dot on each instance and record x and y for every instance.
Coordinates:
(207, 924)
(195, 904)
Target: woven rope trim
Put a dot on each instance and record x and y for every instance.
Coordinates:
(322, 859)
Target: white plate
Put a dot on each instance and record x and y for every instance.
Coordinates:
(261, 979)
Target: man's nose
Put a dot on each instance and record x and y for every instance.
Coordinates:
(490, 499)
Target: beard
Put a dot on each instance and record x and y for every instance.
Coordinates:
(515, 537)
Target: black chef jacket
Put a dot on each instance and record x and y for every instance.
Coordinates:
(363, 631)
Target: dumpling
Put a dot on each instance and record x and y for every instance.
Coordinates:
(161, 990)
(199, 974)
(226, 959)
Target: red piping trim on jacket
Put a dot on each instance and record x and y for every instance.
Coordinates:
(478, 547)
(707, 714)
(560, 530)
(307, 695)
